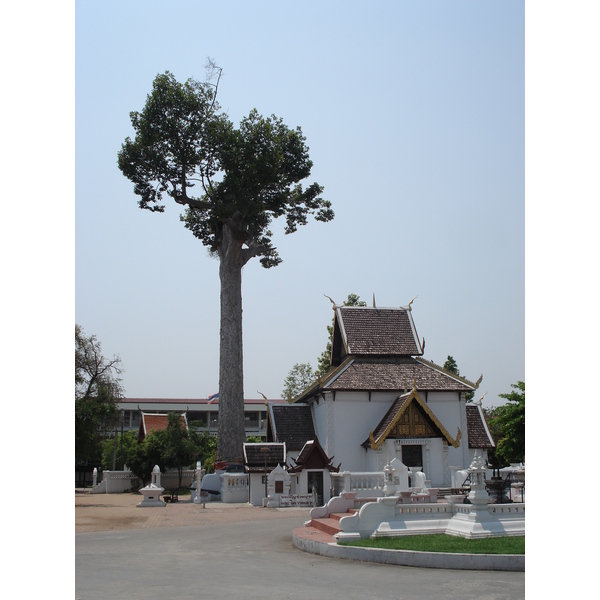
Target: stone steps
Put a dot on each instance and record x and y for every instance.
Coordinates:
(331, 524)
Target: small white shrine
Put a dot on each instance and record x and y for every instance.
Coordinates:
(153, 491)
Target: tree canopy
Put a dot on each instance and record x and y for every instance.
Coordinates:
(97, 390)
(246, 176)
(507, 426)
(298, 379)
(450, 365)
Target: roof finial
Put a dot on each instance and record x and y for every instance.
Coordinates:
(480, 399)
(374, 306)
(332, 302)
(409, 307)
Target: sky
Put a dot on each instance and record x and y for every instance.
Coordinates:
(439, 137)
(414, 114)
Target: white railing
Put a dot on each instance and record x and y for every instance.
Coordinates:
(234, 487)
(170, 479)
(364, 484)
(117, 482)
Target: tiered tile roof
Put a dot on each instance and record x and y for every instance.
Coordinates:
(395, 374)
(377, 331)
(377, 349)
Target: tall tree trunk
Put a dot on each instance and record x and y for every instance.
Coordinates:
(231, 365)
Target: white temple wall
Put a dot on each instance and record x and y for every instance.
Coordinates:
(344, 424)
(446, 408)
(452, 414)
(351, 418)
(319, 412)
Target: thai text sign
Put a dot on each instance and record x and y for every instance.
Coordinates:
(296, 500)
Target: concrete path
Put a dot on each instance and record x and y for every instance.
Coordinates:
(237, 551)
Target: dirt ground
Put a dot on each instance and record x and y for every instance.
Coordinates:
(110, 512)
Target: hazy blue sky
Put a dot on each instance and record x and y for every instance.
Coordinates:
(414, 115)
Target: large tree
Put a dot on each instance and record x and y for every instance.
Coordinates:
(97, 390)
(247, 176)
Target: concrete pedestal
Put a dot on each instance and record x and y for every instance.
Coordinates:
(152, 494)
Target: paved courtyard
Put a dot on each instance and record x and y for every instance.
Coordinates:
(238, 551)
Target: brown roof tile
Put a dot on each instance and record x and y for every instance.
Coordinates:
(291, 424)
(477, 430)
(312, 456)
(396, 374)
(377, 331)
(256, 456)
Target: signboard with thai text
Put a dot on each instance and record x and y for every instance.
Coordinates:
(296, 500)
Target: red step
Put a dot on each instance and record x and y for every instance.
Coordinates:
(338, 516)
(331, 524)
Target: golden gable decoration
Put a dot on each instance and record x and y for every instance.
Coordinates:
(410, 421)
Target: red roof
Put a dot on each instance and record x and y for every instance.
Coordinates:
(155, 422)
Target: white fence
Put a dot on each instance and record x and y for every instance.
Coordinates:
(366, 484)
(117, 482)
(234, 487)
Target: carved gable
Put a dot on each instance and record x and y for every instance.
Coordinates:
(409, 416)
(413, 423)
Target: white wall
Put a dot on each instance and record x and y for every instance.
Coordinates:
(344, 424)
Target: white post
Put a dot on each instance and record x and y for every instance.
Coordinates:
(197, 497)
(156, 475)
(95, 477)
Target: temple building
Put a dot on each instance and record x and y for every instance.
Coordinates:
(382, 400)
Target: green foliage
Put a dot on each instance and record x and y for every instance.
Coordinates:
(248, 175)
(507, 426)
(450, 365)
(179, 450)
(206, 448)
(173, 448)
(126, 445)
(446, 543)
(97, 390)
(324, 361)
(146, 455)
(300, 377)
